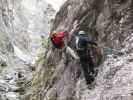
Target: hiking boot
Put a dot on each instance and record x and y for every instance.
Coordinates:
(92, 85)
(90, 80)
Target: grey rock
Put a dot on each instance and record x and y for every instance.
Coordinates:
(108, 22)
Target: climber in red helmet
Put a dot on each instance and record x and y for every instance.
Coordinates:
(60, 41)
(58, 38)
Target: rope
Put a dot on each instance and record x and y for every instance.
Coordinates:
(112, 50)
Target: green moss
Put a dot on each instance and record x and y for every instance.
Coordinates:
(3, 64)
(2, 68)
(3, 41)
(44, 42)
(52, 98)
(41, 78)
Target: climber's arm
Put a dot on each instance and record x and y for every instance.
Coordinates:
(72, 53)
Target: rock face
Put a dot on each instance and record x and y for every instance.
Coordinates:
(22, 22)
(110, 23)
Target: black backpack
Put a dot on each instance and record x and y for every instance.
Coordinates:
(81, 42)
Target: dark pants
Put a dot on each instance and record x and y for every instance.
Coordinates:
(87, 65)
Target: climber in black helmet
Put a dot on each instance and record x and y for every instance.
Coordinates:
(82, 41)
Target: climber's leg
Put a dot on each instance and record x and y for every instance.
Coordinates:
(89, 78)
(91, 63)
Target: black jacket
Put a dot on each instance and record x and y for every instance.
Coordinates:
(82, 41)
